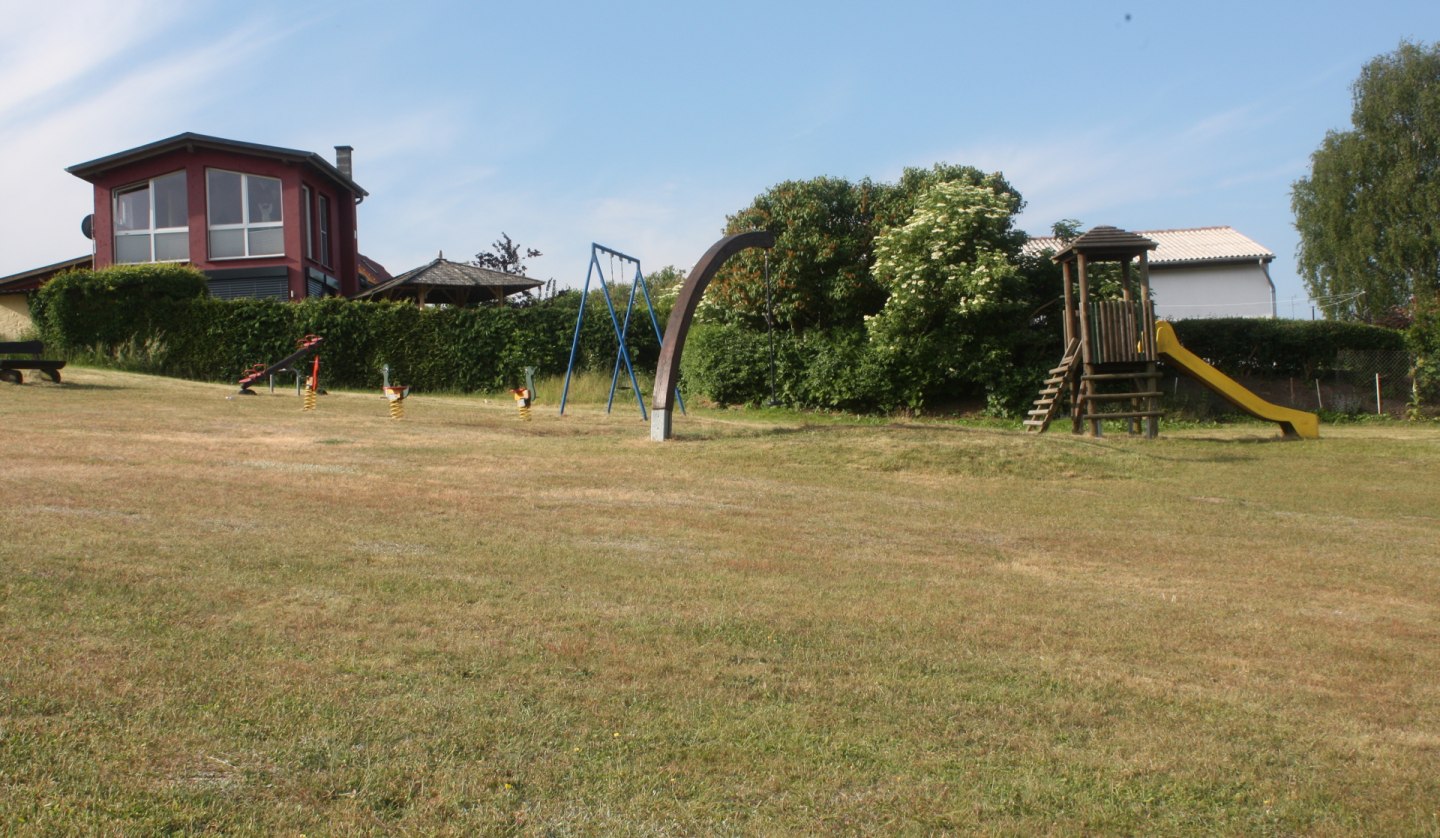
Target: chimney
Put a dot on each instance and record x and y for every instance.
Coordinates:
(342, 160)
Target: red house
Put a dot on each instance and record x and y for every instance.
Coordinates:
(260, 221)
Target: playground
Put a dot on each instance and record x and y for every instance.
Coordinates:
(225, 613)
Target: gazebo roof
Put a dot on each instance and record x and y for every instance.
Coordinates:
(451, 282)
(1106, 243)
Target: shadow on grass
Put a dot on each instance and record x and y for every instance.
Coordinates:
(69, 385)
(1224, 454)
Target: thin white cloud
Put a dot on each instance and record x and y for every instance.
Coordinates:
(1220, 126)
(45, 53)
(146, 96)
(1288, 171)
(1102, 170)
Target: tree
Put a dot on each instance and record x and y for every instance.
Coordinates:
(956, 303)
(1369, 213)
(819, 269)
(505, 256)
(825, 229)
(1423, 341)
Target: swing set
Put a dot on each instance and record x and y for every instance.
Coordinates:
(638, 288)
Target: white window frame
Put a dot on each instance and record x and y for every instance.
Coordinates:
(150, 231)
(246, 226)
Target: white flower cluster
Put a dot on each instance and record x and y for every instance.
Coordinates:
(942, 257)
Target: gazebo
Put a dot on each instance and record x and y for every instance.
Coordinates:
(451, 283)
(1108, 370)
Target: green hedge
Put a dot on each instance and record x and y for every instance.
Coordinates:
(158, 318)
(116, 306)
(838, 369)
(1423, 341)
(824, 369)
(431, 349)
(1304, 348)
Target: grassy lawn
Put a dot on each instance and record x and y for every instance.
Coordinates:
(228, 615)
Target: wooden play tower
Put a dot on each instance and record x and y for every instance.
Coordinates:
(1108, 370)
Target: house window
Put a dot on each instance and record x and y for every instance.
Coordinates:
(307, 235)
(152, 221)
(244, 215)
(323, 211)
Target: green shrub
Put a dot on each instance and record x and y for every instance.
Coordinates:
(126, 305)
(1423, 341)
(1303, 348)
(157, 318)
(831, 369)
(727, 364)
(839, 369)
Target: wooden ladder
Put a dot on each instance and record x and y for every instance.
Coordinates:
(1040, 416)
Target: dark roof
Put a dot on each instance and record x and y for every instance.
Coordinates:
(36, 277)
(372, 273)
(93, 169)
(458, 282)
(1106, 243)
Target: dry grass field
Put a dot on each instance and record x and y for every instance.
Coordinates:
(227, 615)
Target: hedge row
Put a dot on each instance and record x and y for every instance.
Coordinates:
(832, 369)
(838, 369)
(1304, 348)
(158, 318)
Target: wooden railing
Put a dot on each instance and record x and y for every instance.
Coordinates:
(1118, 331)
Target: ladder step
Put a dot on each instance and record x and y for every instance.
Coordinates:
(1096, 397)
(1138, 414)
(1118, 376)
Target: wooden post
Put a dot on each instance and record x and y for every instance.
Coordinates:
(1069, 303)
(1147, 312)
(1083, 308)
(1081, 404)
(1147, 326)
(1071, 328)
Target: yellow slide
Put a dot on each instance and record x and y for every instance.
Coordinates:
(1295, 423)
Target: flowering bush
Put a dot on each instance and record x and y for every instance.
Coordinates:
(954, 289)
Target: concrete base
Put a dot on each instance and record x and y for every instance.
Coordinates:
(659, 425)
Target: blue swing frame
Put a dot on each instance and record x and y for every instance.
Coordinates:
(596, 270)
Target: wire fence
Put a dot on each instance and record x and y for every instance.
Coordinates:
(1359, 382)
(1366, 382)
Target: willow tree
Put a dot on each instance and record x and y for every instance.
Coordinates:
(1369, 213)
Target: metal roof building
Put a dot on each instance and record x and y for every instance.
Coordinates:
(1201, 272)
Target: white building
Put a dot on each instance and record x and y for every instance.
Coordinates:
(1202, 272)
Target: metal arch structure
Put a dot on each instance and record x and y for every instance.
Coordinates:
(667, 371)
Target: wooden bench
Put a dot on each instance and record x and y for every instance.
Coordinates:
(10, 367)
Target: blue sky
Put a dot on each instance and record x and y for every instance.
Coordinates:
(641, 125)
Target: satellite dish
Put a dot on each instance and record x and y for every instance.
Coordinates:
(87, 226)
